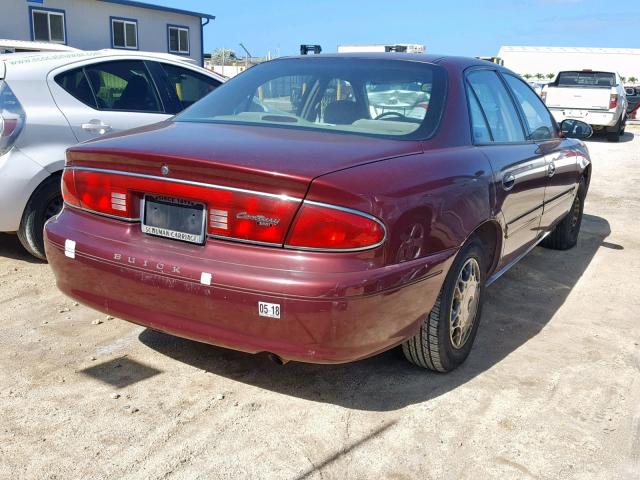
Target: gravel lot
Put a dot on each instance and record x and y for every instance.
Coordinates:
(551, 389)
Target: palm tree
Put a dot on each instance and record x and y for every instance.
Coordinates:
(623, 79)
(527, 76)
(633, 79)
(539, 76)
(551, 76)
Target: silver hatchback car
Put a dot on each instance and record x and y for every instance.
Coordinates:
(51, 101)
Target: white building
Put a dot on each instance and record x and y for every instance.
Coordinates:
(396, 47)
(545, 60)
(98, 24)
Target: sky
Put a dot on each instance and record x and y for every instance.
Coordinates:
(454, 27)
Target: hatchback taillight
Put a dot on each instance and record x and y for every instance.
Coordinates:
(12, 118)
(613, 101)
(326, 227)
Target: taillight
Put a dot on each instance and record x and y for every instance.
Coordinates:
(325, 227)
(232, 213)
(613, 101)
(12, 118)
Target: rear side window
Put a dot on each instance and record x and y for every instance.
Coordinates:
(481, 133)
(497, 106)
(120, 86)
(189, 86)
(538, 119)
(123, 85)
(586, 79)
(76, 84)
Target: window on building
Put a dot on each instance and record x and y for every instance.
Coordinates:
(178, 39)
(124, 33)
(48, 26)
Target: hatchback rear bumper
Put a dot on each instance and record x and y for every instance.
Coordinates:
(333, 307)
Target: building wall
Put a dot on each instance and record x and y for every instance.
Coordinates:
(88, 24)
(532, 60)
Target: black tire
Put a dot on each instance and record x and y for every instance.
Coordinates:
(44, 203)
(433, 346)
(565, 234)
(614, 136)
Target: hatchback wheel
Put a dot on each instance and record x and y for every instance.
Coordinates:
(45, 203)
(447, 333)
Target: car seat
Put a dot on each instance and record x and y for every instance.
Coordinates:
(342, 112)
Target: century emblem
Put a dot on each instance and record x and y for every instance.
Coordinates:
(164, 170)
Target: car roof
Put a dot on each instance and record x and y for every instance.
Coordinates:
(40, 63)
(460, 62)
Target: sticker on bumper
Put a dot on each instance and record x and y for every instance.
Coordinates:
(271, 310)
(70, 248)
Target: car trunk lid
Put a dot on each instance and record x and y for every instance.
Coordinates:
(250, 179)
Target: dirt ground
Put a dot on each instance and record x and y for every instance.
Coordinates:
(551, 389)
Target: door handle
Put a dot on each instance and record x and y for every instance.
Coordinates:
(551, 169)
(508, 181)
(96, 126)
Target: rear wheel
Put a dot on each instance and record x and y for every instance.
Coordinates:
(565, 234)
(447, 333)
(614, 136)
(45, 202)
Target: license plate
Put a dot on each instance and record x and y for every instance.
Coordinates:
(174, 218)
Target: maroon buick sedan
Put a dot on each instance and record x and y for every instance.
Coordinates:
(323, 209)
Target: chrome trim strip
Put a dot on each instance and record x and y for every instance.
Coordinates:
(504, 269)
(242, 240)
(341, 250)
(185, 182)
(88, 210)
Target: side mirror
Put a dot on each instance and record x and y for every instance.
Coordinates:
(571, 128)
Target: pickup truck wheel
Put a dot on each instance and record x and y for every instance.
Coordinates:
(44, 203)
(447, 333)
(565, 234)
(615, 135)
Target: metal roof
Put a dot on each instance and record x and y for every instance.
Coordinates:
(150, 6)
(633, 51)
(36, 46)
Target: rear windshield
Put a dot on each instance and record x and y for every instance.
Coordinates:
(389, 98)
(586, 79)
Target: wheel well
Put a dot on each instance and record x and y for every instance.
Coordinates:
(587, 175)
(54, 175)
(490, 236)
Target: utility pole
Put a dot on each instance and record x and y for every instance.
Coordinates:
(246, 59)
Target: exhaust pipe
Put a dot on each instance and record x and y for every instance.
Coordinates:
(277, 359)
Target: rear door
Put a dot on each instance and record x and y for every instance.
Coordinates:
(562, 168)
(107, 96)
(519, 166)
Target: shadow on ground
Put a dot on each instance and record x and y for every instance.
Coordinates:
(602, 138)
(121, 372)
(517, 308)
(10, 247)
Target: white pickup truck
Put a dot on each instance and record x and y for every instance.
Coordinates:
(597, 98)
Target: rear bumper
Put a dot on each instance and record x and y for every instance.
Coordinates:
(592, 117)
(334, 307)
